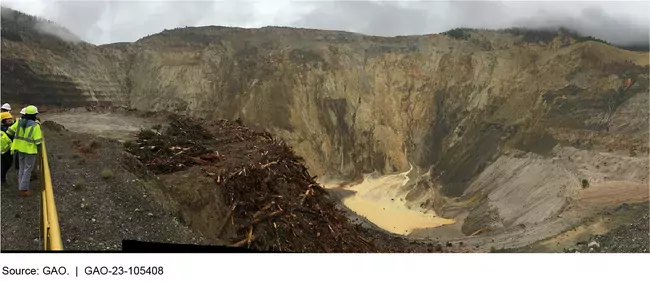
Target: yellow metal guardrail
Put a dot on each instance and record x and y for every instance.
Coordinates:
(50, 231)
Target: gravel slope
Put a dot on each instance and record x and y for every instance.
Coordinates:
(20, 216)
(632, 237)
(620, 229)
(100, 202)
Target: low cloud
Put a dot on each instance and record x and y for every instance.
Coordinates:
(594, 22)
(113, 21)
(629, 26)
(56, 30)
(40, 25)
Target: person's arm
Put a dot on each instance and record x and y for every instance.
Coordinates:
(11, 131)
(37, 136)
(6, 143)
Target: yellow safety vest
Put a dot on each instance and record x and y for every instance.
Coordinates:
(5, 143)
(27, 139)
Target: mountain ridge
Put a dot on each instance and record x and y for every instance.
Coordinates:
(455, 32)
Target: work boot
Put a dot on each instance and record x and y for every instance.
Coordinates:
(25, 193)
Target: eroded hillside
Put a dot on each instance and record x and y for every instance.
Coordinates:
(481, 106)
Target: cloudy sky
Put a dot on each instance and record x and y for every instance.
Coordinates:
(101, 21)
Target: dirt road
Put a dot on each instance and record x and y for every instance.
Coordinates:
(109, 125)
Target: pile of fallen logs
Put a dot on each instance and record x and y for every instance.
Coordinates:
(274, 203)
(279, 207)
(179, 147)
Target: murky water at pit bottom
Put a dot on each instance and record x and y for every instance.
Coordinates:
(378, 200)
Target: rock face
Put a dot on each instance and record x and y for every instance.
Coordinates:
(351, 104)
(41, 68)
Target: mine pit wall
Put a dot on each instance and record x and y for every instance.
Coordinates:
(354, 104)
(453, 107)
(70, 76)
(347, 111)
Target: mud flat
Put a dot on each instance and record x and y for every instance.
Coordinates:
(382, 201)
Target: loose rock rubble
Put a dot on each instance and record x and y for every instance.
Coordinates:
(628, 238)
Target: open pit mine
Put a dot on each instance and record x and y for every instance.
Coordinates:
(300, 140)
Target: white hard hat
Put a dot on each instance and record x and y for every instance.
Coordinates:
(22, 111)
(6, 106)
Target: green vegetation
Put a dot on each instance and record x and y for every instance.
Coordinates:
(79, 184)
(542, 36)
(146, 134)
(585, 183)
(532, 35)
(107, 174)
(459, 33)
(18, 26)
(547, 35)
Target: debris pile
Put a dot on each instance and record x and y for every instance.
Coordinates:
(273, 203)
(180, 147)
(279, 207)
(53, 126)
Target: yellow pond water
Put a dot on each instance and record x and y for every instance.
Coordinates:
(378, 200)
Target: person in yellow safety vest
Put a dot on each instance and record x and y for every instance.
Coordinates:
(5, 147)
(22, 113)
(27, 141)
(7, 158)
(7, 120)
(16, 162)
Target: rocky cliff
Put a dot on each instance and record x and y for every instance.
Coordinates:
(450, 104)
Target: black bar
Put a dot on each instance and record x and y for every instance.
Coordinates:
(132, 246)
